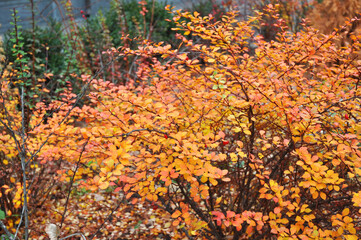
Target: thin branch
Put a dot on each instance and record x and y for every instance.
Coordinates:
(23, 166)
(19, 224)
(107, 219)
(71, 184)
(2, 225)
(125, 135)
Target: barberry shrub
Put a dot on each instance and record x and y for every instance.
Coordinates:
(231, 138)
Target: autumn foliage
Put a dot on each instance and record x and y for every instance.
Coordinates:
(231, 138)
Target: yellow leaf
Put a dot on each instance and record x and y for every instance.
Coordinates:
(347, 219)
(351, 229)
(208, 70)
(351, 237)
(204, 179)
(293, 229)
(340, 230)
(272, 183)
(110, 162)
(183, 56)
(308, 218)
(213, 181)
(104, 185)
(323, 195)
(345, 212)
(118, 169)
(247, 132)
(308, 210)
(315, 195)
(284, 221)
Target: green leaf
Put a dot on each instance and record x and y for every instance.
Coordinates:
(2, 214)
(138, 225)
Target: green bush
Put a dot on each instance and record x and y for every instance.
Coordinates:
(126, 18)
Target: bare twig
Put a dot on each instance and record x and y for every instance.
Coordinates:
(19, 224)
(71, 184)
(109, 217)
(2, 225)
(23, 167)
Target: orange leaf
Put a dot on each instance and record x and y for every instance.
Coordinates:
(176, 214)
